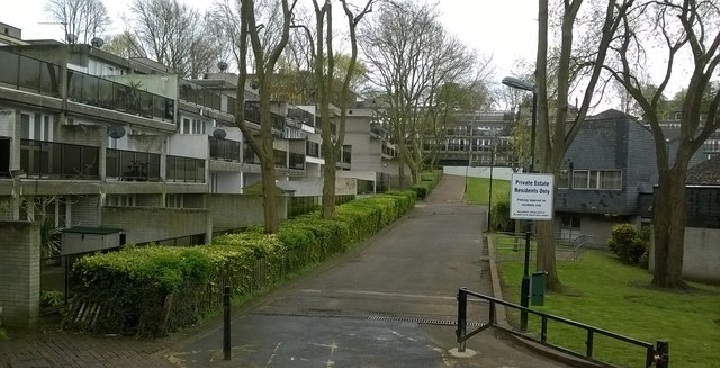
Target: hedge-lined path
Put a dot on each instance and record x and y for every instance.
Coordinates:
(370, 308)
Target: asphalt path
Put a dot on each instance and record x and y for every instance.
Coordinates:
(391, 302)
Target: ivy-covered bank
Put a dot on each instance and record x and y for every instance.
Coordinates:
(155, 290)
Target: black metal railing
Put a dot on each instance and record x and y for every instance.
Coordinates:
(312, 149)
(224, 149)
(48, 160)
(249, 156)
(654, 354)
(132, 166)
(280, 159)
(296, 160)
(30, 74)
(184, 169)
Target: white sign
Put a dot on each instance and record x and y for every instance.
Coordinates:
(531, 196)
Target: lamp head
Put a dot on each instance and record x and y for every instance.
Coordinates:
(518, 84)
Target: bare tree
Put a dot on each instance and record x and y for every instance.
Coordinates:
(81, 20)
(124, 44)
(174, 34)
(554, 139)
(265, 57)
(682, 25)
(410, 56)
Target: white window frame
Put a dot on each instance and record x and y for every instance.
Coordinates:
(594, 177)
(127, 200)
(46, 126)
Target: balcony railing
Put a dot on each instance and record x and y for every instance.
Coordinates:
(205, 97)
(297, 161)
(249, 156)
(224, 149)
(132, 166)
(280, 159)
(184, 169)
(29, 74)
(48, 160)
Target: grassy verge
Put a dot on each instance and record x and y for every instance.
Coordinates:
(599, 290)
(478, 188)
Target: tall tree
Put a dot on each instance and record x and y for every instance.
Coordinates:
(325, 68)
(266, 50)
(554, 138)
(81, 20)
(124, 44)
(173, 34)
(410, 56)
(686, 30)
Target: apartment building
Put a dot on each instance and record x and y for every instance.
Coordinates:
(475, 138)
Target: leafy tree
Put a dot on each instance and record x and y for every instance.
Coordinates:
(676, 26)
(80, 19)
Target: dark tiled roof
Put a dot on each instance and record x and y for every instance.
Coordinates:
(705, 173)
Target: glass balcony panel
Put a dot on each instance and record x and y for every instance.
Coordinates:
(74, 90)
(153, 167)
(120, 93)
(91, 90)
(29, 74)
(9, 71)
(50, 79)
(90, 165)
(106, 97)
(199, 171)
(112, 163)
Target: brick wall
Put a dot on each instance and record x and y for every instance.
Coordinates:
(85, 211)
(20, 273)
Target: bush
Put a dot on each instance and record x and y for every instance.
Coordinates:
(155, 290)
(627, 242)
(501, 220)
(428, 182)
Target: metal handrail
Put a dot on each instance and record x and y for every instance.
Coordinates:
(655, 354)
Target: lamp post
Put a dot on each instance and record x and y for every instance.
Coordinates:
(490, 189)
(525, 287)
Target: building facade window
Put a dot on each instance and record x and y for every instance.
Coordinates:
(174, 201)
(570, 221)
(36, 126)
(596, 179)
(192, 126)
(121, 200)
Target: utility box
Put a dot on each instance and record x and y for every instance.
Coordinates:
(537, 288)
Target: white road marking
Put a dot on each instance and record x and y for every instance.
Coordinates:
(277, 347)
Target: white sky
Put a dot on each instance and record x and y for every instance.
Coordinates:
(503, 29)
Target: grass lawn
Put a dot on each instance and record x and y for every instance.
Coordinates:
(478, 190)
(599, 290)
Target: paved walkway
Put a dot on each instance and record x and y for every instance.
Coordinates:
(388, 303)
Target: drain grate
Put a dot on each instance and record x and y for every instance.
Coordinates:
(371, 317)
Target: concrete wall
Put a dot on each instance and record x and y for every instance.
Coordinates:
(598, 227)
(313, 188)
(20, 273)
(701, 257)
(233, 211)
(149, 224)
(189, 145)
(85, 211)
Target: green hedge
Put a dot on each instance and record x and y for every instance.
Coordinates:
(428, 182)
(155, 290)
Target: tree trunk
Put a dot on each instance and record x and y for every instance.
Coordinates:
(400, 144)
(670, 230)
(267, 164)
(328, 198)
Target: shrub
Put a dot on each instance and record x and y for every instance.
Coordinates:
(627, 242)
(428, 182)
(155, 290)
(501, 220)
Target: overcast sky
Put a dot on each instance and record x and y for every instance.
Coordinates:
(503, 29)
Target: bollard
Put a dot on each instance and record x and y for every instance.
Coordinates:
(462, 318)
(662, 355)
(227, 344)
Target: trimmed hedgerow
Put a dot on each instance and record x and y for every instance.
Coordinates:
(155, 290)
(428, 182)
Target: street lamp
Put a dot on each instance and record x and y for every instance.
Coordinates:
(525, 288)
